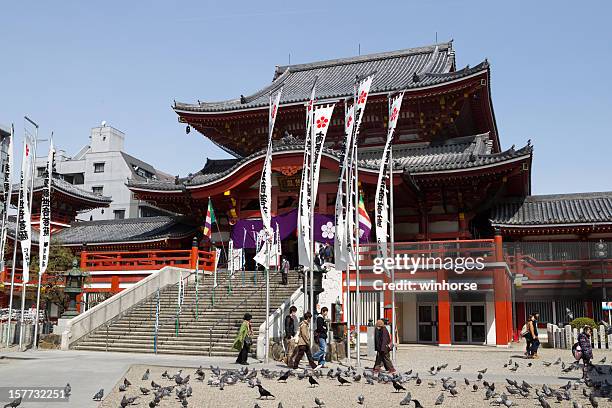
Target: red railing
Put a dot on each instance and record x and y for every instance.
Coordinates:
(552, 269)
(147, 260)
(5, 278)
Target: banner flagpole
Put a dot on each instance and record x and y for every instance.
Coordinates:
(312, 247)
(392, 253)
(44, 239)
(357, 277)
(23, 279)
(15, 239)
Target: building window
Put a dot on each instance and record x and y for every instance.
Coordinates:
(40, 171)
(98, 190)
(98, 167)
(119, 214)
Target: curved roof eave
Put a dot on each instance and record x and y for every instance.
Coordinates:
(193, 109)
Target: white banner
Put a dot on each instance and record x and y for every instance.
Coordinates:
(265, 186)
(7, 190)
(44, 239)
(320, 125)
(340, 240)
(23, 212)
(382, 191)
(361, 97)
(304, 203)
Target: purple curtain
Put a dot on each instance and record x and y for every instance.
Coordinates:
(287, 223)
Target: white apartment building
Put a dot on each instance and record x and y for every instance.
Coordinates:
(102, 167)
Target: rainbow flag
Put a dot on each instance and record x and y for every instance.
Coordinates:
(364, 219)
(210, 219)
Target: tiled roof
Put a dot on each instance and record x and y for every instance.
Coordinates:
(69, 189)
(458, 153)
(126, 230)
(557, 209)
(405, 69)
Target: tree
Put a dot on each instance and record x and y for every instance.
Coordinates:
(60, 260)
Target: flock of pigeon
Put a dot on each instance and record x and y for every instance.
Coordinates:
(177, 386)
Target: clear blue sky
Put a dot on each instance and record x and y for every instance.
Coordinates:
(71, 64)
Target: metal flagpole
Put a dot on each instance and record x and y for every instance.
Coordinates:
(17, 232)
(23, 283)
(267, 317)
(357, 280)
(312, 247)
(392, 252)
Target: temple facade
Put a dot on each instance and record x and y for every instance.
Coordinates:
(457, 193)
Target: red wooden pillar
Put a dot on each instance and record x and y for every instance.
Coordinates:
(520, 319)
(193, 255)
(500, 296)
(444, 312)
(509, 284)
(115, 284)
(83, 265)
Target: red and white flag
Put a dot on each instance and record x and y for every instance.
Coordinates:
(381, 210)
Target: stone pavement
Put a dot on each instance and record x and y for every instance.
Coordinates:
(88, 371)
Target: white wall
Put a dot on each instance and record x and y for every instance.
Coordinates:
(490, 314)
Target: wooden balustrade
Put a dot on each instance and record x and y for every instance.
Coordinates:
(146, 260)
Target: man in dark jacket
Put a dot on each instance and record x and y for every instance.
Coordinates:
(382, 345)
(584, 340)
(290, 332)
(321, 337)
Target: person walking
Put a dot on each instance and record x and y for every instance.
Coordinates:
(285, 266)
(289, 338)
(383, 346)
(584, 341)
(244, 340)
(321, 337)
(527, 335)
(304, 342)
(533, 335)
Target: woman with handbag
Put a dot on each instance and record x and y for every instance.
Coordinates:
(244, 340)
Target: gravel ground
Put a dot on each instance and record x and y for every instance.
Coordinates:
(298, 393)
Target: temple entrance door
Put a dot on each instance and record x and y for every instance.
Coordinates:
(427, 323)
(469, 323)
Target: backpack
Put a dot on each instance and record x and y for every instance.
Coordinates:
(524, 330)
(577, 351)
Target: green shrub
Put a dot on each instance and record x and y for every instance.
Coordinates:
(580, 322)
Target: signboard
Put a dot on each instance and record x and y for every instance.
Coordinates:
(606, 305)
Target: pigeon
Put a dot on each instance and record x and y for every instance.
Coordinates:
(479, 376)
(145, 391)
(440, 399)
(98, 396)
(458, 368)
(603, 360)
(483, 371)
(398, 387)
(126, 382)
(14, 403)
(342, 381)
(67, 390)
(361, 399)
(312, 381)
(417, 404)
(466, 381)
(145, 376)
(319, 402)
(453, 392)
(263, 392)
(284, 376)
(122, 388)
(475, 387)
(407, 399)
(155, 385)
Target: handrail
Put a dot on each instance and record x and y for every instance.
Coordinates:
(245, 301)
(131, 308)
(176, 318)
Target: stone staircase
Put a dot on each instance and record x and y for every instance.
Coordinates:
(212, 333)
